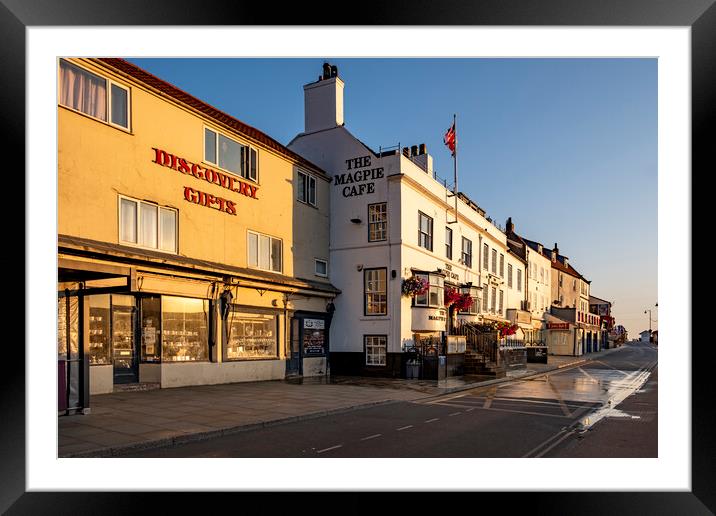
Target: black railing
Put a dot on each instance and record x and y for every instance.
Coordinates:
(484, 343)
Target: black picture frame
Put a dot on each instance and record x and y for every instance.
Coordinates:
(700, 15)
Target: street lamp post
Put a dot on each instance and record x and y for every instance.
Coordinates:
(649, 310)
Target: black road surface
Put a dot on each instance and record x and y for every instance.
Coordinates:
(604, 408)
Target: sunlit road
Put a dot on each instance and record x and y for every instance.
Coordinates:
(561, 413)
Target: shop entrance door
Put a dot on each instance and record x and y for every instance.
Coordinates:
(124, 341)
(293, 358)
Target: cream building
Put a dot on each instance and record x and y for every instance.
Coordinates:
(192, 248)
(391, 220)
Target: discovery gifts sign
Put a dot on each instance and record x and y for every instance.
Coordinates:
(183, 166)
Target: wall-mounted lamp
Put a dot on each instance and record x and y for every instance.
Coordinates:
(359, 267)
(356, 220)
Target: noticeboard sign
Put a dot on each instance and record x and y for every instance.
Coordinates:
(314, 337)
(557, 326)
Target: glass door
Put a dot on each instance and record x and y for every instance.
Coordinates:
(293, 358)
(124, 343)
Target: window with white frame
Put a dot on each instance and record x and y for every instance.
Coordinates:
(264, 252)
(425, 231)
(485, 256)
(321, 268)
(502, 265)
(519, 279)
(375, 290)
(147, 225)
(494, 300)
(306, 188)
(502, 298)
(485, 293)
(433, 297)
(227, 153)
(509, 275)
(377, 222)
(448, 243)
(93, 95)
(474, 293)
(466, 252)
(376, 347)
(494, 261)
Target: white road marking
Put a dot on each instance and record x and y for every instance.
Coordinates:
(433, 419)
(371, 437)
(585, 373)
(329, 449)
(544, 443)
(404, 428)
(455, 414)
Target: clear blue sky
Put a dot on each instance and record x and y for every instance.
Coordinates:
(566, 147)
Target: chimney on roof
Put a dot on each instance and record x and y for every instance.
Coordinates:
(323, 101)
(555, 252)
(509, 226)
(419, 155)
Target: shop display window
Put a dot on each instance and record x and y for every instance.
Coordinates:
(151, 350)
(185, 329)
(99, 336)
(67, 339)
(250, 334)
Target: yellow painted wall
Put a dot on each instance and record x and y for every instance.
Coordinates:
(97, 162)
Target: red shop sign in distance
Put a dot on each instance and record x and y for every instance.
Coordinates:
(557, 326)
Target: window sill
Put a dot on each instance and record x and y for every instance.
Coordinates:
(314, 206)
(249, 359)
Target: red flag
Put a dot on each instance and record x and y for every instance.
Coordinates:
(450, 139)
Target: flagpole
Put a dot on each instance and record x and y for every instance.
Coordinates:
(454, 155)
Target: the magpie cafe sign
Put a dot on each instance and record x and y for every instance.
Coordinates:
(358, 182)
(193, 195)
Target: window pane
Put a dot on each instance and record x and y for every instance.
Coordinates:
(301, 187)
(321, 268)
(275, 255)
(168, 230)
(251, 335)
(151, 327)
(209, 146)
(148, 229)
(128, 221)
(253, 250)
(99, 329)
(83, 91)
(185, 335)
(120, 105)
(253, 172)
(312, 190)
(230, 154)
(264, 251)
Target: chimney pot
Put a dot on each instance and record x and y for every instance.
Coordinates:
(414, 150)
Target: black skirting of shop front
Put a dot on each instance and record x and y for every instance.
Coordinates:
(353, 364)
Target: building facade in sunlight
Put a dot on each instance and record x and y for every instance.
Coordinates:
(192, 248)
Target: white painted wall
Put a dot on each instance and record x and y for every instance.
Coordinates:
(207, 373)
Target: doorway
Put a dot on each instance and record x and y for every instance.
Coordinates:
(293, 357)
(124, 339)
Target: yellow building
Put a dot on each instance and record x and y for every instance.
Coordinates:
(192, 248)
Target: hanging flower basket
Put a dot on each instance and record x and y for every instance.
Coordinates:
(460, 302)
(414, 286)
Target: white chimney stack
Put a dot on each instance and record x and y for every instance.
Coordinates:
(323, 103)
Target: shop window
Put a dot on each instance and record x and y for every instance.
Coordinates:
(376, 347)
(250, 334)
(93, 95)
(185, 329)
(425, 231)
(99, 337)
(147, 225)
(265, 252)
(151, 329)
(377, 222)
(466, 254)
(321, 268)
(306, 189)
(230, 155)
(375, 289)
(434, 297)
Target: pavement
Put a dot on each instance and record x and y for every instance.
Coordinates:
(122, 422)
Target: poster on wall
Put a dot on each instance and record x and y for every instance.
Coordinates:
(314, 333)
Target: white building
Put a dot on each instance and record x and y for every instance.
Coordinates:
(539, 285)
(391, 220)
